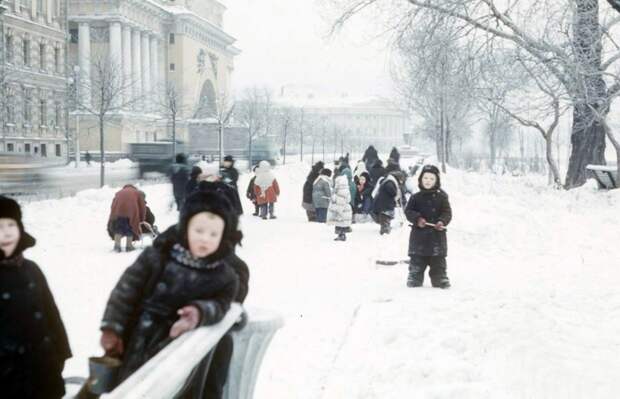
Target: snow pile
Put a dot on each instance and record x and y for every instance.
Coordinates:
(534, 310)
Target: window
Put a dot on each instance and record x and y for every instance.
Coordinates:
(27, 148)
(36, 150)
(73, 33)
(28, 107)
(9, 49)
(42, 60)
(172, 38)
(43, 112)
(58, 152)
(43, 150)
(26, 51)
(172, 67)
(10, 147)
(57, 114)
(57, 59)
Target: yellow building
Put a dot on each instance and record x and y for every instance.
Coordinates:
(149, 46)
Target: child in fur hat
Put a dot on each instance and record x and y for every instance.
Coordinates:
(33, 340)
(429, 211)
(179, 283)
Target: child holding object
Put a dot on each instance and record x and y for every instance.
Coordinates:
(33, 340)
(429, 211)
(181, 282)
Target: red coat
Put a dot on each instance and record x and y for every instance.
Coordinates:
(270, 195)
(129, 203)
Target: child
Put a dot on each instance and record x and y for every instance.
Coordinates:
(33, 341)
(339, 211)
(363, 198)
(387, 196)
(266, 190)
(176, 285)
(249, 193)
(321, 195)
(128, 211)
(429, 211)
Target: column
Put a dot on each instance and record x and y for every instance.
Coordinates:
(155, 83)
(146, 63)
(49, 11)
(136, 57)
(116, 54)
(127, 78)
(84, 62)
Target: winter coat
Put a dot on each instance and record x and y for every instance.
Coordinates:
(249, 193)
(243, 273)
(179, 176)
(321, 192)
(434, 206)
(376, 172)
(266, 186)
(128, 203)
(339, 212)
(230, 176)
(363, 197)
(386, 195)
(346, 171)
(144, 303)
(308, 187)
(191, 186)
(33, 340)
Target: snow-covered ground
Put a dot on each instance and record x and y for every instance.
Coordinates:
(534, 311)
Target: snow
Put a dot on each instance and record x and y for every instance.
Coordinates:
(534, 311)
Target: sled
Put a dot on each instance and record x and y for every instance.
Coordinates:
(392, 262)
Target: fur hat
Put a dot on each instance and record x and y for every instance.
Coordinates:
(217, 204)
(429, 169)
(10, 209)
(180, 158)
(229, 158)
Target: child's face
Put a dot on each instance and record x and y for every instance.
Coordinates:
(9, 236)
(429, 180)
(204, 234)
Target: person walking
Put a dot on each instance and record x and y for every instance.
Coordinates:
(266, 189)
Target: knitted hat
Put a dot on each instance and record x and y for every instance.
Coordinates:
(429, 169)
(217, 204)
(10, 209)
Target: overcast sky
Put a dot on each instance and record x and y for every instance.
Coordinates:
(283, 42)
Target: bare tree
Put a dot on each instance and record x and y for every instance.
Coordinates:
(254, 110)
(566, 38)
(285, 116)
(224, 108)
(170, 103)
(111, 93)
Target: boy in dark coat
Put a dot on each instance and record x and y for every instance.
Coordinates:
(33, 341)
(230, 175)
(181, 282)
(429, 211)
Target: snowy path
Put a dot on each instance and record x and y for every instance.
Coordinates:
(534, 311)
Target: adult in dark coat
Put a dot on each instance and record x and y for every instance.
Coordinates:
(179, 175)
(143, 307)
(386, 197)
(192, 183)
(370, 157)
(307, 190)
(228, 172)
(33, 340)
(428, 245)
(377, 172)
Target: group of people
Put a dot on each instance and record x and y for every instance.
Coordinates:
(376, 193)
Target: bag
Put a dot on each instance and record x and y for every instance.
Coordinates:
(103, 377)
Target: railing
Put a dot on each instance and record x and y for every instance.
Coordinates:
(165, 375)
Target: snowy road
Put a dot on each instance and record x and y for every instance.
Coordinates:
(534, 311)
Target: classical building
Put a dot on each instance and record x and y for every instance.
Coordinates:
(359, 121)
(151, 46)
(33, 84)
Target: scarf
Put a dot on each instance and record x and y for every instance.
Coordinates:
(182, 256)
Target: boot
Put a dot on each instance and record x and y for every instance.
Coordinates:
(272, 216)
(341, 237)
(413, 281)
(129, 246)
(444, 283)
(117, 242)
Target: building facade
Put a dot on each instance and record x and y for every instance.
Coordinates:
(33, 83)
(152, 45)
(358, 121)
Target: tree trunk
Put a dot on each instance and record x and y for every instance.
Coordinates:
(588, 145)
(250, 138)
(553, 168)
(588, 136)
(174, 137)
(301, 145)
(102, 154)
(284, 156)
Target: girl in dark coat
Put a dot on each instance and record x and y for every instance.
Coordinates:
(429, 211)
(33, 341)
(363, 198)
(183, 281)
